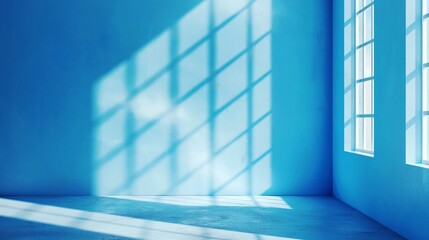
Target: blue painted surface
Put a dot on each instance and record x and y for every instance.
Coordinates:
(383, 187)
(145, 97)
(186, 217)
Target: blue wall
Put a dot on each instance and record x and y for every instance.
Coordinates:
(383, 187)
(145, 97)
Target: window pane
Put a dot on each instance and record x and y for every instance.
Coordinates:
(348, 72)
(425, 7)
(367, 141)
(347, 39)
(368, 24)
(425, 43)
(425, 90)
(359, 29)
(425, 136)
(368, 61)
(359, 98)
(359, 5)
(359, 63)
(347, 10)
(367, 86)
(372, 22)
(359, 133)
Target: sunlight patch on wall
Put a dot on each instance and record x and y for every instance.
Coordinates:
(190, 112)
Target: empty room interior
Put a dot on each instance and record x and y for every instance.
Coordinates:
(214, 119)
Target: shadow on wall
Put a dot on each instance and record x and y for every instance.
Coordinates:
(190, 112)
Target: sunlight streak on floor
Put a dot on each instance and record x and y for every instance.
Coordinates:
(116, 225)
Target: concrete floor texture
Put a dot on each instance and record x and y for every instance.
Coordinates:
(185, 217)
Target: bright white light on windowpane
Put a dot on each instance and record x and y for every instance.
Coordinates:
(359, 5)
(367, 142)
(425, 140)
(368, 26)
(359, 133)
(359, 63)
(359, 29)
(425, 42)
(359, 98)
(425, 83)
(367, 108)
(425, 7)
(367, 61)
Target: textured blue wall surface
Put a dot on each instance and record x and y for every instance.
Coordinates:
(383, 187)
(161, 97)
(302, 122)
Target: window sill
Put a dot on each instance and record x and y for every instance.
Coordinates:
(360, 153)
(421, 165)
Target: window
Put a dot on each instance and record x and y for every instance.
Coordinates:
(425, 79)
(417, 81)
(359, 76)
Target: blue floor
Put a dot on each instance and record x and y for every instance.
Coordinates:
(177, 217)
